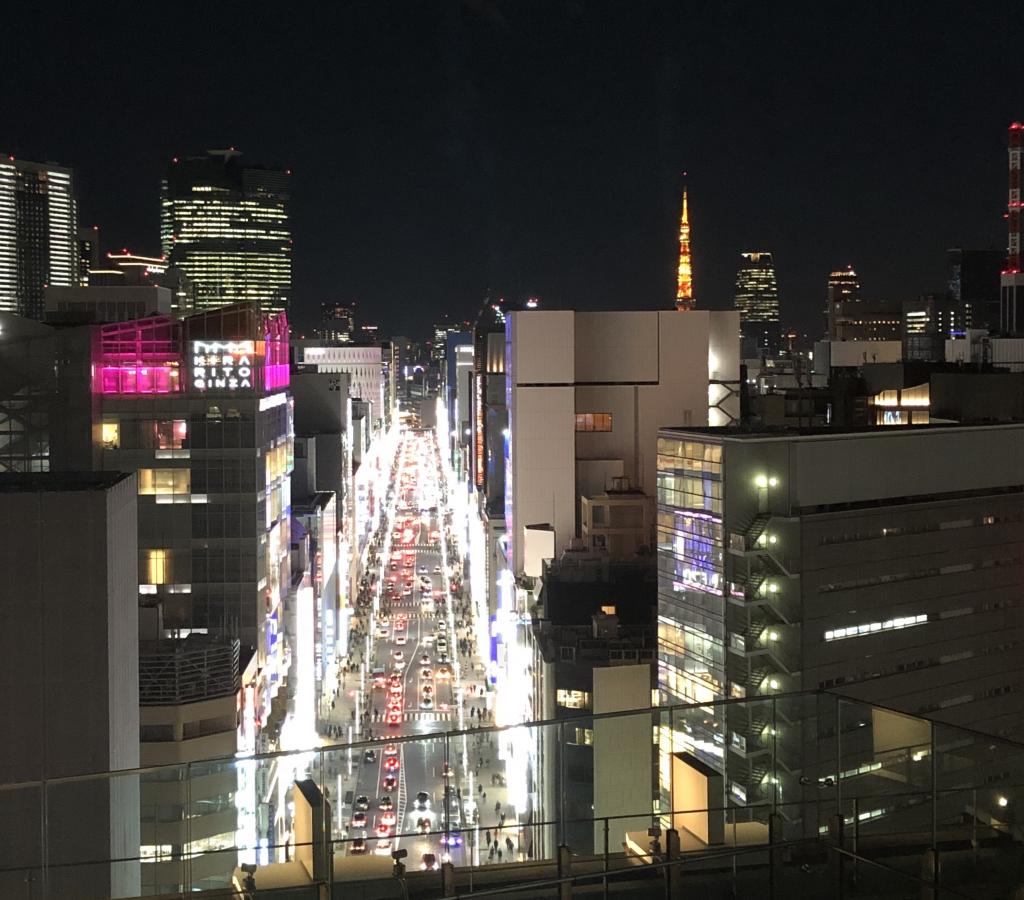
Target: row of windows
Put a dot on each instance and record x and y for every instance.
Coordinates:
(915, 664)
(838, 634)
(849, 537)
(593, 422)
(1000, 691)
(956, 569)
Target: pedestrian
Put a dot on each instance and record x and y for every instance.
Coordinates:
(502, 820)
(499, 854)
(487, 835)
(479, 787)
(509, 845)
(497, 807)
(484, 798)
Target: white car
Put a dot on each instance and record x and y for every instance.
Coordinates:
(400, 640)
(398, 655)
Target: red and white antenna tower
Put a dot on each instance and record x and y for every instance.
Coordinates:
(1012, 281)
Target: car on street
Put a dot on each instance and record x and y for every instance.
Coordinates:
(383, 847)
(369, 756)
(394, 718)
(389, 783)
(398, 655)
(423, 824)
(391, 763)
(426, 672)
(382, 631)
(388, 819)
(391, 749)
(422, 800)
(426, 702)
(447, 771)
(442, 625)
(425, 659)
(400, 640)
(444, 671)
(358, 820)
(385, 802)
(452, 839)
(428, 862)
(358, 845)
(362, 802)
(428, 691)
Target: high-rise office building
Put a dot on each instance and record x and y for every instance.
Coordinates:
(849, 317)
(38, 234)
(226, 226)
(757, 299)
(843, 286)
(808, 560)
(337, 322)
(88, 253)
(974, 285)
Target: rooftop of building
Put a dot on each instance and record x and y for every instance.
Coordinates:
(792, 432)
(25, 482)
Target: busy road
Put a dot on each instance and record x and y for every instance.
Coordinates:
(420, 677)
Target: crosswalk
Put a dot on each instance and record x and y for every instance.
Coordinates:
(428, 715)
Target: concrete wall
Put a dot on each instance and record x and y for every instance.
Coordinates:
(623, 752)
(70, 681)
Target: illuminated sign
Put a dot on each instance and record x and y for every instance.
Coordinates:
(222, 365)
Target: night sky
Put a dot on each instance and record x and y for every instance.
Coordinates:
(443, 148)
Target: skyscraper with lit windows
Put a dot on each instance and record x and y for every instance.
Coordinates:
(226, 226)
(757, 299)
(38, 234)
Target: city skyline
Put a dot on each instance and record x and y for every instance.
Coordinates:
(515, 177)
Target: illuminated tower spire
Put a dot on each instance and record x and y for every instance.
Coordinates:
(684, 278)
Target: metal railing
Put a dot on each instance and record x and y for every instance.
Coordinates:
(899, 783)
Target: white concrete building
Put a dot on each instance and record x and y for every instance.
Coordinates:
(587, 392)
(364, 365)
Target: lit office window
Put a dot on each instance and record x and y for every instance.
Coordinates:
(164, 481)
(572, 699)
(593, 421)
(873, 627)
(110, 435)
(158, 566)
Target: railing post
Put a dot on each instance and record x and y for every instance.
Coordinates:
(564, 870)
(186, 862)
(606, 861)
(561, 784)
(44, 846)
(673, 877)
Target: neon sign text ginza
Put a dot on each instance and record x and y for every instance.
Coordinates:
(222, 365)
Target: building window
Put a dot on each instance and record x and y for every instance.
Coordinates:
(162, 434)
(593, 421)
(156, 733)
(110, 435)
(164, 481)
(572, 699)
(608, 610)
(158, 566)
(839, 634)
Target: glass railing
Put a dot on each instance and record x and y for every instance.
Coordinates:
(850, 790)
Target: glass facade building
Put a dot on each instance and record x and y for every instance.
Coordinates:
(757, 299)
(38, 234)
(226, 226)
(691, 602)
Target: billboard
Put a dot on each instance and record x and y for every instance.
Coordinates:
(222, 365)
